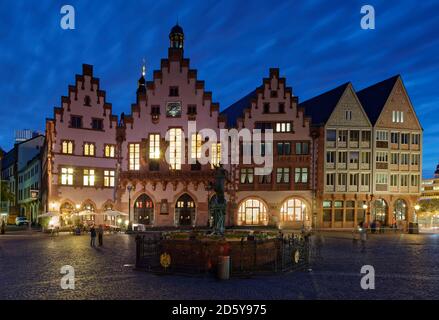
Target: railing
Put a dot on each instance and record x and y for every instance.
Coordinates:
(247, 257)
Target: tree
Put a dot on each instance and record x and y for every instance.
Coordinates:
(5, 193)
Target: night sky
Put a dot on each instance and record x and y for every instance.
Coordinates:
(317, 45)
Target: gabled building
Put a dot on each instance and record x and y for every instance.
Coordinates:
(80, 157)
(281, 197)
(342, 158)
(397, 151)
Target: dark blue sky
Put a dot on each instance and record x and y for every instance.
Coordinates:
(317, 44)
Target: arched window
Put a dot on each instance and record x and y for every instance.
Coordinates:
(88, 211)
(252, 212)
(380, 211)
(185, 210)
(144, 210)
(293, 210)
(400, 211)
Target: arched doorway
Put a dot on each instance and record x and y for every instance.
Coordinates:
(400, 210)
(252, 212)
(144, 210)
(185, 210)
(293, 210)
(88, 212)
(66, 211)
(380, 211)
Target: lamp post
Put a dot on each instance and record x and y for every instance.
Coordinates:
(129, 188)
(364, 212)
(417, 207)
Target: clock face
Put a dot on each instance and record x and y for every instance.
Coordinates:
(173, 109)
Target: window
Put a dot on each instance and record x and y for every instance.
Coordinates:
(67, 176)
(89, 149)
(330, 156)
(382, 136)
(331, 135)
(67, 147)
(330, 179)
(414, 180)
(265, 179)
(397, 116)
(350, 210)
(342, 157)
(252, 212)
(192, 109)
(87, 101)
(365, 136)
(415, 159)
(342, 177)
(154, 146)
(89, 177)
(405, 138)
(381, 178)
(263, 126)
(353, 157)
(302, 148)
(365, 179)
(338, 210)
(381, 156)
(134, 156)
(327, 211)
(108, 178)
(216, 154)
(175, 148)
(196, 146)
(393, 180)
(342, 136)
(348, 115)
(284, 126)
(301, 175)
(155, 110)
(404, 180)
(267, 148)
(273, 94)
(76, 122)
(404, 159)
(353, 179)
(365, 157)
(109, 151)
(266, 108)
(247, 176)
(394, 158)
(283, 175)
(283, 148)
(416, 138)
(394, 137)
(281, 107)
(293, 210)
(354, 135)
(173, 91)
(97, 124)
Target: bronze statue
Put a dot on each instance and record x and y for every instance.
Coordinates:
(219, 204)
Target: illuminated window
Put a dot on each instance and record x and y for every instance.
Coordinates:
(252, 212)
(293, 210)
(216, 154)
(134, 156)
(301, 175)
(67, 147)
(108, 178)
(109, 151)
(154, 146)
(196, 146)
(284, 127)
(246, 176)
(175, 135)
(282, 175)
(67, 176)
(89, 149)
(89, 177)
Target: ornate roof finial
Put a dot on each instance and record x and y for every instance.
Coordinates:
(144, 67)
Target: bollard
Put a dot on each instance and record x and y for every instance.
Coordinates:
(223, 267)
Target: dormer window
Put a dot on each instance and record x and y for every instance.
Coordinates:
(87, 101)
(173, 91)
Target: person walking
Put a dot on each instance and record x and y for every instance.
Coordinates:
(101, 235)
(3, 227)
(92, 236)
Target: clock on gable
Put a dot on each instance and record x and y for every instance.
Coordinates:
(173, 109)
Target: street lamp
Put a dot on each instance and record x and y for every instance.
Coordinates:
(417, 207)
(364, 212)
(129, 188)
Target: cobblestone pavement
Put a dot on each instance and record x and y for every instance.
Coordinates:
(406, 267)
